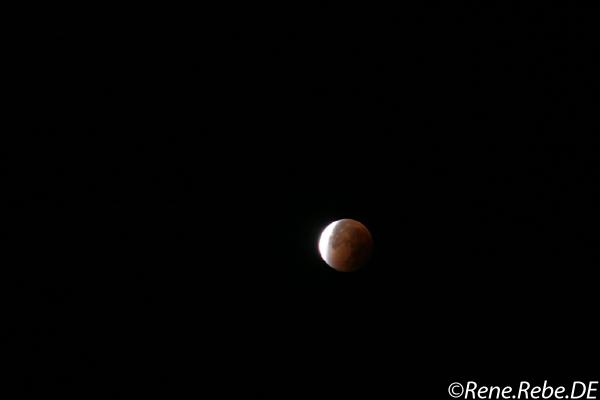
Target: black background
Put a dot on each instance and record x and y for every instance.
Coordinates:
(168, 207)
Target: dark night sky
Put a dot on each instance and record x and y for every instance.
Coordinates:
(168, 209)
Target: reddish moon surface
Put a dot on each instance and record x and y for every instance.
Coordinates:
(346, 245)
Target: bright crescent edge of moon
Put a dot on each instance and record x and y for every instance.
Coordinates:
(324, 240)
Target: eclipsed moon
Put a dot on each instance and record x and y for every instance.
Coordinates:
(345, 245)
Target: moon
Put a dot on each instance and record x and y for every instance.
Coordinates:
(345, 245)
